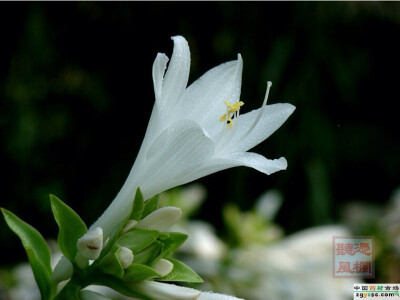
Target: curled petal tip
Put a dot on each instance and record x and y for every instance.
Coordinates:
(176, 38)
(290, 108)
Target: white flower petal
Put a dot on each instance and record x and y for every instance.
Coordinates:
(177, 75)
(210, 166)
(203, 100)
(248, 159)
(272, 118)
(154, 128)
(257, 161)
(202, 241)
(164, 291)
(179, 149)
(159, 66)
(215, 296)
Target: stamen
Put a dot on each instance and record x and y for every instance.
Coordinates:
(232, 111)
(269, 84)
(228, 104)
(229, 122)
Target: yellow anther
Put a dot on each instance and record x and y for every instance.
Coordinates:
(229, 122)
(228, 104)
(237, 105)
(231, 109)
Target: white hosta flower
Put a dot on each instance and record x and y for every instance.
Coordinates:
(291, 268)
(268, 204)
(202, 241)
(91, 244)
(195, 131)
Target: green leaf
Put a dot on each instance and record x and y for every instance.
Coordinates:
(181, 272)
(150, 206)
(138, 206)
(163, 236)
(172, 243)
(149, 254)
(120, 286)
(71, 227)
(37, 250)
(137, 239)
(110, 263)
(137, 272)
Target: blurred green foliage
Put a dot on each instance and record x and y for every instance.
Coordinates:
(76, 95)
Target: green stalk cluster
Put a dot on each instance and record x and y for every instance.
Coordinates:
(138, 251)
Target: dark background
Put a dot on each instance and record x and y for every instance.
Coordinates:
(76, 94)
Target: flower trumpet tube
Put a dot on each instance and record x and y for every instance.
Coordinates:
(195, 131)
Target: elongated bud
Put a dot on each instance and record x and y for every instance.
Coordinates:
(63, 270)
(91, 244)
(161, 219)
(163, 267)
(129, 225)
(158, 290)
(125, 257)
